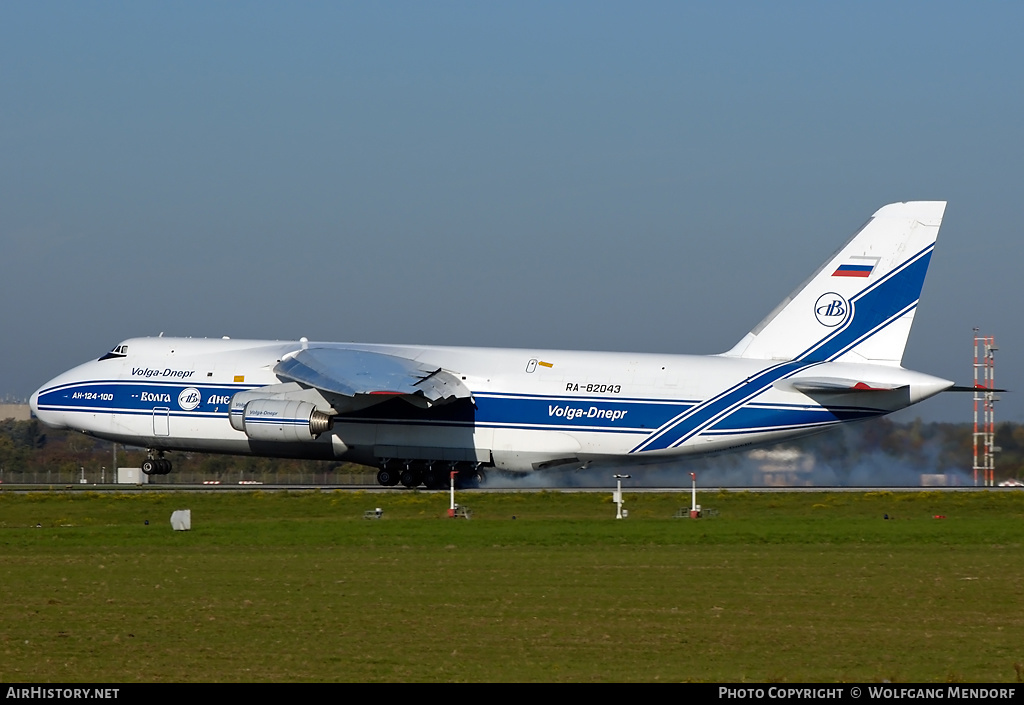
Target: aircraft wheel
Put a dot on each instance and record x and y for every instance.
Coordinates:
(149, 467)
(469, 479)
(411, 478)
(164, 466)
(386, 477)
(434, 479)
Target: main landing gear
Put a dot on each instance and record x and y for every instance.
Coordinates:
(433, 474)
(156, 466)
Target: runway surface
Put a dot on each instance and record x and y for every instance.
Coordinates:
(497, 490)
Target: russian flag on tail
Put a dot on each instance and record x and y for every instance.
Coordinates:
(857, 267)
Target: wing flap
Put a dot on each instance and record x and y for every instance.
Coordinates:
(355, 373)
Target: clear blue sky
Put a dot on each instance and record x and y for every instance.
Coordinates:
(619, 176)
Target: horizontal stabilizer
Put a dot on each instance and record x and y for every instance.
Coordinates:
(835, 385)
(354, 373)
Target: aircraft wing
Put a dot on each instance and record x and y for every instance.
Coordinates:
(360, 373)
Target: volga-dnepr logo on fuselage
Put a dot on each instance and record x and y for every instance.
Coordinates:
(189, 398)
(166, 372)
(831, 309)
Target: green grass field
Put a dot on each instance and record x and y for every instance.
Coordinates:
(298, 587)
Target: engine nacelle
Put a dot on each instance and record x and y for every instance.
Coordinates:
(236, 414)
(281, 420)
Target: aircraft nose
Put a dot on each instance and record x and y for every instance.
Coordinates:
(54, 419)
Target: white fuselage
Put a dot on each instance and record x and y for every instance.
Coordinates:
(529, 408)
(829, 353)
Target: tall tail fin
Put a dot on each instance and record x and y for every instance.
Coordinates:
(860, 304)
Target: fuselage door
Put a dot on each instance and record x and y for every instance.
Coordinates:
(161, 421)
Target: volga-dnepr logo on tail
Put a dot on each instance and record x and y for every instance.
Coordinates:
(830, 309)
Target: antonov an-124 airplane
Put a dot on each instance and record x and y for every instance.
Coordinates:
(828, 354)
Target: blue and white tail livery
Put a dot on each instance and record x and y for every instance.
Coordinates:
(828, 354)
(860, 304)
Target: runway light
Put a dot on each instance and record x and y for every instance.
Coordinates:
(620, 513)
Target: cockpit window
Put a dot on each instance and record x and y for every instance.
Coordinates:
(118, 351)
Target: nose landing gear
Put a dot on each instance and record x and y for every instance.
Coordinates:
(156, 466)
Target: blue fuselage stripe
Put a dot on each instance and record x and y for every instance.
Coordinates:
(604, 415)
(873, 309)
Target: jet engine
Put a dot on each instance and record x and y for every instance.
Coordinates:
(282, 420)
